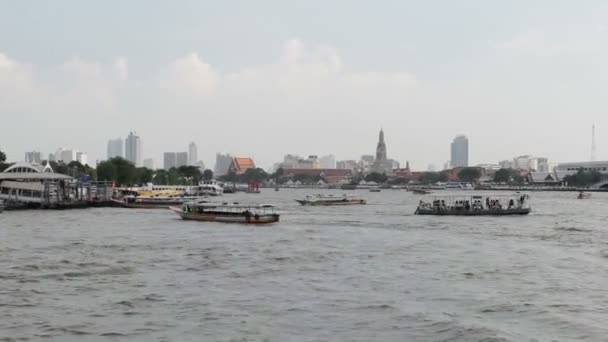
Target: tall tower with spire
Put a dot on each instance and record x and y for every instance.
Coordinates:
(381, 163)
(381, 148)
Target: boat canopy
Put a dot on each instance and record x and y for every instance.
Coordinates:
(234, 205)
(455, 199)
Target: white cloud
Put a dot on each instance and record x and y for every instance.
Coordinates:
(310, 84)
(121, 69)
(189, 76)
(16, 83)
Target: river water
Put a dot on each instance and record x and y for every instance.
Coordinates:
(358, 273)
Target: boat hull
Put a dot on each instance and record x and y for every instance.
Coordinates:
(328, 203)
(226, 218)
(506, 212)
(160, 205)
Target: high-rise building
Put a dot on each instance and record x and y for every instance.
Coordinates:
(169, 160)
(394, 164)
(192, 154)
(347, 164)
(312, 162)
(115, 148)
(175, 159)
(133, 149)
(149, 163)
(328, 162)
(460, 152)
(543, 165)
(506, 164)
(82, 158)
(33, 157)
(222, 164)
(65, 156)
(181, 159)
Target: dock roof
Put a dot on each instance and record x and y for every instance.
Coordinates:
(33, 176)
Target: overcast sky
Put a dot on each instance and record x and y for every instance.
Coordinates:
(267, 78)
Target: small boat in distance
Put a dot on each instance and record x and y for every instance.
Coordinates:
(327, 200)
(583, 195)
(476, 205)
(421, 191)
(375, 190)
(227, 213)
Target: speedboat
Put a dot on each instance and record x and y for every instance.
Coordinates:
(583, 195)
(327, 200)
(227, 213)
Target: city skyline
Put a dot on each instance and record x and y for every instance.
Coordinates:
(330, 159)
(515, 80)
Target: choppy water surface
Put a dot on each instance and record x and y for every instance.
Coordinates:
(360, 273)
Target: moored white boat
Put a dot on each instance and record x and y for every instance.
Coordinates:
(327, 200)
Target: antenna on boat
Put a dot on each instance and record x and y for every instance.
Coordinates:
(593, 146)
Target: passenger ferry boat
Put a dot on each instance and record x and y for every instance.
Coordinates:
(499, 205)
(207, 188)
(152, 202)
(204, 188)
(331, 200)
(227, 213)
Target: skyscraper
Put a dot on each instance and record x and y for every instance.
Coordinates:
(460, 151)
(222, 164)
(133, 149)
(115, 148)
(174, 159)
(181, 159)
(82, 158)
(169, 160)
(192, 154)
(33, 157)
(149, 163)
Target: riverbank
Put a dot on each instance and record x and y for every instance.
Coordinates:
(539, 188)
